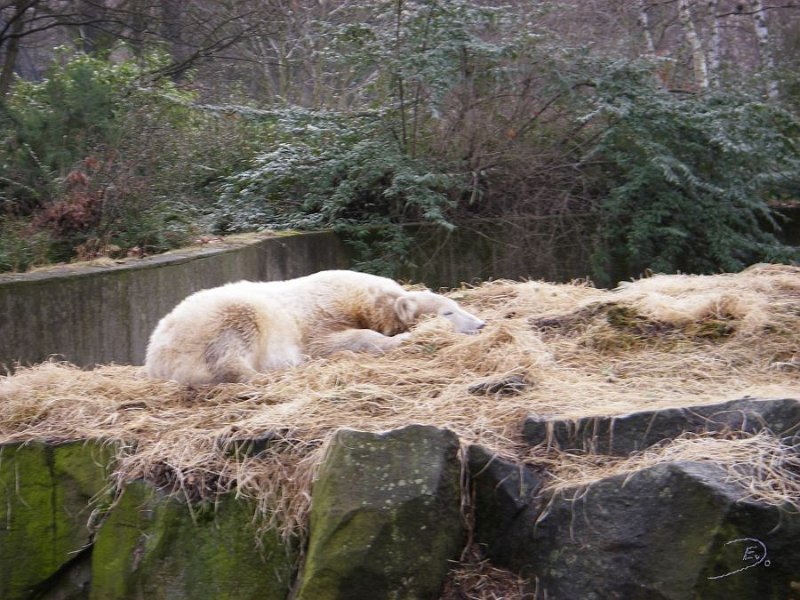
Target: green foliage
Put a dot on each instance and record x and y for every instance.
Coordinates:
(22, 247)
(99, 160)
(344, 173)
(438, 112)
(472, 115)
(53, 124)
(687, 180)
(414, 55)
(368, 174)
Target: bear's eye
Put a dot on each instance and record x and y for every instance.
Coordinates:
(447, 313)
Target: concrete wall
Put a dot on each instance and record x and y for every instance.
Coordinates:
(100, 314)
(493, 249)
(105, 313)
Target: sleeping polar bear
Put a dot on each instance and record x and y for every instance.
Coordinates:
(231, 333)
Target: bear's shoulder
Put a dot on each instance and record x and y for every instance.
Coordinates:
(353, 280)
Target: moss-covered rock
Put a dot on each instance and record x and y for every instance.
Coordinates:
(155, 546)
(385, 517)
(45, 494)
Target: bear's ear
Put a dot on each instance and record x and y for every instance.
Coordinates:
(406, 309)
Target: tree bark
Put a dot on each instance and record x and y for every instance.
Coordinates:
(172, 31)
(644, 23)
(91, 36)
(714, 49)
(699, 64)
(12, 46)
(399, 77)
(764, 51)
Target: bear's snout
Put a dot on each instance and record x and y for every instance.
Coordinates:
(463, 322)
(474, 328)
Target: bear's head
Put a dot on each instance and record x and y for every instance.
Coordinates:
(413, 305)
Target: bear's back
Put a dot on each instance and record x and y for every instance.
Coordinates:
(342, 283)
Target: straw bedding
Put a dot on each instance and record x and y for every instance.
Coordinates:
(572, 350)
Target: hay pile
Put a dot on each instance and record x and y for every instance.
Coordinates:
(576, 350)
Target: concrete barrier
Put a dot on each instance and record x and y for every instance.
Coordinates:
(500, 249)
(101, 313)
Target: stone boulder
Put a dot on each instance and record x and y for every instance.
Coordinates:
(385, 516)
(502, 491)
(621, 435)
(45, 494)
(152, 545)
(674, 531)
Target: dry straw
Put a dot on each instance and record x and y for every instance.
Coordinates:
(580, 351)
(765, 467)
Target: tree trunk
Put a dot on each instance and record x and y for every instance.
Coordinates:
(699, 65)
(90, 36)
(172, 31)
(399, 77)
(138, 24)
(714, 47)
(765, 53)
(644, 23)
(12, 47)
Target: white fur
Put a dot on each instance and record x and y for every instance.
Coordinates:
(233, 332)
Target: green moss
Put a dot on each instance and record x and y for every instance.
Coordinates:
(711, 329)
(385, 520)
(45, 492)
(154, 546)
(623, 317)
(632, 330)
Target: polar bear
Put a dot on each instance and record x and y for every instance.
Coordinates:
(230, 333)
